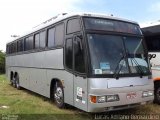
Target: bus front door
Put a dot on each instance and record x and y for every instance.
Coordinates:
(80, 81)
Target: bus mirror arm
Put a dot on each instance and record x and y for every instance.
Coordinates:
(78, 38)
(80, 45)
(80, 41)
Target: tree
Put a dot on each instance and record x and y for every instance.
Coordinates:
(2, 62)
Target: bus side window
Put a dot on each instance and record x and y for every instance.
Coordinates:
(59, 34)
(11, 48)
(73, 26)
(153, 43)
(26, 44)
(30, 42)
(36, 44)
(51, 39)
(69, 54)
(20, 45)
(78, 56)
(42, 40)
(15, 47)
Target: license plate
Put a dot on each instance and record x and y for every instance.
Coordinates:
(131, 95)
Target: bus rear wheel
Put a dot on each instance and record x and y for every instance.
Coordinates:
(157, 95)
(14, 82)
(11, 78)
(17, 82)
(59, 95)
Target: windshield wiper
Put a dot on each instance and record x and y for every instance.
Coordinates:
(117, 69)
(141, 73)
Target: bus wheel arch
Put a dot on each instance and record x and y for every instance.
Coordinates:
(57, 93)
(157, 91)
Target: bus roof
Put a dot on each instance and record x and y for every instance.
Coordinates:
(63, 16)
(151, 28)
(150, 24)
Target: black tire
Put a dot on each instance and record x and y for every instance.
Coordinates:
(157, 95)
(17, 82)
(59, 95)
(11, 79)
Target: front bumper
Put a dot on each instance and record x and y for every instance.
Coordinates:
(123, 103)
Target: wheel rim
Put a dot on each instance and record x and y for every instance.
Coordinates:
(158, 94)
(58, 95)
(14, 82)
(17, 84)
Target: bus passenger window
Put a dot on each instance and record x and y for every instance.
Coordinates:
(15, 47)
(42, 40)
(69, 54)
(30, 42)
(59, 35)
(20, 45)
(73, 25)
(26, 44)
(36, 41)
(51, 41)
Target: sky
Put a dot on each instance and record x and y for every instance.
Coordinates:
(19, 16)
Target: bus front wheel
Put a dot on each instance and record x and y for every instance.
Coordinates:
(59, 95)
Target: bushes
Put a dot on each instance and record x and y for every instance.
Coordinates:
(2, 62)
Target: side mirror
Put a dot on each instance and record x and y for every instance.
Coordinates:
(80, 36)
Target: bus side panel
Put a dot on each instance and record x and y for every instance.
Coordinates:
(54, 61)
(38, 81)
(36, 70)
(67, 80)
(155, 65)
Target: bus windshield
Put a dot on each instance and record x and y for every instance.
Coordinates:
(109, 52)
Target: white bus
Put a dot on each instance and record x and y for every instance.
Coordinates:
(96, 63)
(152, 37)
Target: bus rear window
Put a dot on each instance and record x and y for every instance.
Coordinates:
(111, 25)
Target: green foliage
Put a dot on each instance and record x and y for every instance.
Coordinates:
(2, 62)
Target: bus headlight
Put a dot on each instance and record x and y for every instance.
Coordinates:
(147, 93)
(111, 98)
(101, 99)
(150, 93)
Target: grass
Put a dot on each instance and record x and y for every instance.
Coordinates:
(28, 105)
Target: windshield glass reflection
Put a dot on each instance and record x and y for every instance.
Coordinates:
(110, 53)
